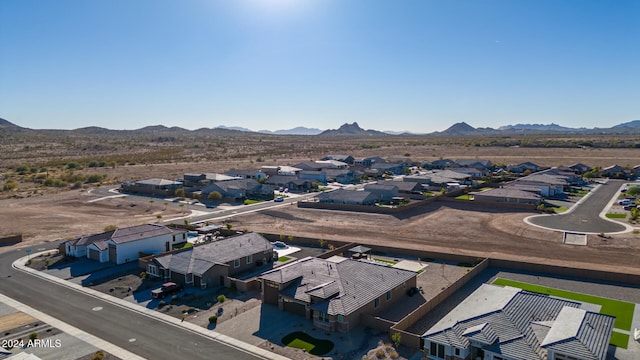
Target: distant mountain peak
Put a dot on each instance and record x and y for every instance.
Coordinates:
(461, 128)
(352, 129)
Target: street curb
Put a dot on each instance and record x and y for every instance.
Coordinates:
(211, 334)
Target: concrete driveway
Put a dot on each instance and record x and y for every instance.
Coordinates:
(585, 215)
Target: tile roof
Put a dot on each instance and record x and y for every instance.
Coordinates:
(349, 196)
(508, 192)
(523, 325)
(199, 259)
(139, 232)
(157, 182)
(345, 286)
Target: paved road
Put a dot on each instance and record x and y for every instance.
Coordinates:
(585, 216)
(154, 339)
(215, 213)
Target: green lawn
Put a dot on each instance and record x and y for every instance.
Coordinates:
(313, 346)
(619, 339)
(616, 216)
(464, 197)
(623, 311)
(249, 201)
(388, 262)
(284, 258)
(559, 209)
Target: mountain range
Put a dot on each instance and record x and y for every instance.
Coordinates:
(353, 129)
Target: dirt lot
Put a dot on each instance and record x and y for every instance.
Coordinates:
(67, 214)
(451, 228)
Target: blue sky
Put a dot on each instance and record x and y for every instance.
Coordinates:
(418, 65)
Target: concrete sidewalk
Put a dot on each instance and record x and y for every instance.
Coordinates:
(74, 332)
(213, 335)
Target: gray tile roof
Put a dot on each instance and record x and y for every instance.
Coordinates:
(580, 334)
(522, 325)
(402, 185)
(157, 182)
(346, 196)
(139, 232)
(508, 192)
(346, 286)
(199, 259)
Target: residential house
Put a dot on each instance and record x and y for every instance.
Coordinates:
(479, 164)
(203, 179)
(390, 168)
(313, 176)
(522, 167)
(384, 192)
(124, 245)
(214, 263)
(322, 165)
(240, 189)
(154, 186)
(404, 187)
(508, 194)
(636, 171)
(471, 171)
(342, 158)
(247, 174)
(580, 168)
(280, 170)
(342, 176)
(439, 164)
(293, 183)
(348, 197)
(368, 161)
(335, 294)
(504, 323)
(614, 171)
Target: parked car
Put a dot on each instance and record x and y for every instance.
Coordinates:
(629, 207)
(624, 202)
(167, 288)
(279, 199)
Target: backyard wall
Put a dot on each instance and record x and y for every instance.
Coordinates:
(367, 209)
(414, 340)
(568, 271)
(11, 240)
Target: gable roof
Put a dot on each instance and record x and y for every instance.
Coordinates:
(355, 196)
(344, 286)
(199, 259)
(522, 325)
(406, 186)
(157, 182)
(139, 232)
(580, 333)
(512, 192)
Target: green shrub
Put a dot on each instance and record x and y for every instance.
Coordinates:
(213, 319)
(98, 355)
(221, 298)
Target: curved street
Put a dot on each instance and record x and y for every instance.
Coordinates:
(585, 216)
(145, 336)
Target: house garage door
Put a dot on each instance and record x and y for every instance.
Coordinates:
(94, 255)
(294, 308)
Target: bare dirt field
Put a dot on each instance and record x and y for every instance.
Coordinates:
(451, 228)
(47, 213)
(67, 214)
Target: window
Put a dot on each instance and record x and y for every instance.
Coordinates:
(323, 316)
(249, 259)
(388, 295)
(376, 302)
(457, 351)
(437, 350)
(152, 270)
(236, 263)
(340, 318)
(188, 278)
